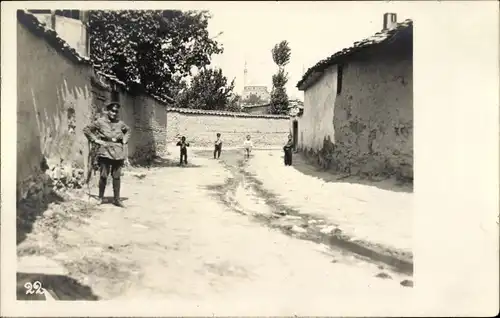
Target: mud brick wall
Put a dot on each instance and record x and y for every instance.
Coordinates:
(147, 119)
(53, 105)
(374, 123)
(368, 128)
(201, 128)
(316, 122)
(56, 96)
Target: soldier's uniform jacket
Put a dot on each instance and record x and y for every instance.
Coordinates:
(112, 133)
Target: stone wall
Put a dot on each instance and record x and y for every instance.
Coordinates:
(368, 128)
(53, 105)
(200, 128)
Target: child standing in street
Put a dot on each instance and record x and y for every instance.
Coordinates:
(288, 151)
(248, 145)
(218, 147)
(183, 146)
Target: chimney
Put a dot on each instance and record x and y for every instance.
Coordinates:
(390, 21)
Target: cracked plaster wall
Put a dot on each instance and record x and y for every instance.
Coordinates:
(368, 128)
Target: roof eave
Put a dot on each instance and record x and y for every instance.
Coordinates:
(310, 80)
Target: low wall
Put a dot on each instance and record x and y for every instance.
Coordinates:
(201, 127)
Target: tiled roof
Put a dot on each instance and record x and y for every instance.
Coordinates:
(223, 113)
(40, 29)
(255, 106)
(315, 72)
(163, 100)
(112, 78)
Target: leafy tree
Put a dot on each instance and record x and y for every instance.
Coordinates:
(253, 99)
(234, 104)
(281, 54)
(151, 50)
(209, 90)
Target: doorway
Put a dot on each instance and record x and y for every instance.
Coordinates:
(295, 134)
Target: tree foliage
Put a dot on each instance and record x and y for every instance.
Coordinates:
(281, 54)
(279, 101)
(153, 50)
(209, 90)
(253, 99)
(234, 103)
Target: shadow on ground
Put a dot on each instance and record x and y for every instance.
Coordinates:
(399, 261)
(107, 199)
(159, 162)
(62, 287)
(300, 164)
(27, 212)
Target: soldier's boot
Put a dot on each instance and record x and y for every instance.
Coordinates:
(116, 192)
(102, 187)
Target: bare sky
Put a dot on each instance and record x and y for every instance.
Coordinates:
(315, 30)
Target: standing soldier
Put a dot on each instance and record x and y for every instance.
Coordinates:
(110, 135)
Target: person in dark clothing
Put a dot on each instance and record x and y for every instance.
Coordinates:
(218, 147)
(183, 146)
(110, 135)
(288, 148)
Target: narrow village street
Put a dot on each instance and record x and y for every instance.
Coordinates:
(198, 233)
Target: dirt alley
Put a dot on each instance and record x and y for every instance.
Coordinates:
(193, 234)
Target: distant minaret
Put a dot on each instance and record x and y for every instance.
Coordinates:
(245, 75)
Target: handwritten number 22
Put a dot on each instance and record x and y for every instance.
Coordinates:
(35, 288)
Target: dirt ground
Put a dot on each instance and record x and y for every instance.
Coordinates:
(195, 234)
(376, 213)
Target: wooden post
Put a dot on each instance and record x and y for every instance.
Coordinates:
(53, 19)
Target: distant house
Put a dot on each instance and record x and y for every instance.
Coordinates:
(261, 109)
(358, 105)
(69, 25)
(295, 107)
(256, 92)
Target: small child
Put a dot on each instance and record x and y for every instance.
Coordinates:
(248, 145)
(218, 147)
(183, 146)
(288, 151)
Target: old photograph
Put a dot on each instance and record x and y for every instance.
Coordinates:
(199, 155)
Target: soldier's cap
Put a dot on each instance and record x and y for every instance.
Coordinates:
(113, 105)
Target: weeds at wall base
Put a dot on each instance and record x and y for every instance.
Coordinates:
(332, 158)
(36, 194)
